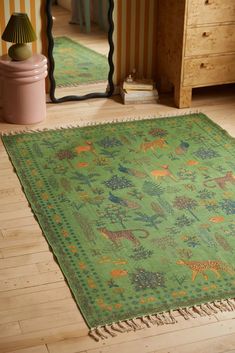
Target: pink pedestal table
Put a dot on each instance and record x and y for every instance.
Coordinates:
(23, 89)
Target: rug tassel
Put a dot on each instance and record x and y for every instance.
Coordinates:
(137, 324)
(221, 306)
(134, 324)
(159, 319)
(123, 327)
(162, 318)
(104, 122)
(206, 309)
(173, 319)
(93, 335)
(204, 313)
(218, 306)
(100, 333)
(152, 319)
(116, 327)
(231, 303)
(170, 318)
(109, 330)
(166, 318)
(224, 307)
(226, 304)
(190, 312)
(212, 308)
(183, 313)
(131, 325)
(198, 310)
(145, 320)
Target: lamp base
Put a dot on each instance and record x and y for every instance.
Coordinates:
(19, 52)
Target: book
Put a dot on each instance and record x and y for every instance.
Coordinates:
(138, 93)
(136, 97)
(139, 84)
(137, 101)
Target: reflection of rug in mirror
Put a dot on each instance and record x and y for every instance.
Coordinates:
(139, 214)
(76, 64)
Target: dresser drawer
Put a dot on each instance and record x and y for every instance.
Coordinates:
(209, 70)
(210, 11)
(210, 40)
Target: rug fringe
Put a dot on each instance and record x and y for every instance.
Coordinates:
(104, 122)
(164, 318)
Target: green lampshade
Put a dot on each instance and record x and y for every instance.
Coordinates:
(19, 29)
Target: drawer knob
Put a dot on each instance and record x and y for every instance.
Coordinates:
(206, 34)
(208, 2)
(203, 65)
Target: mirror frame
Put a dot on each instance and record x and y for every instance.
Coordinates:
(51, 62)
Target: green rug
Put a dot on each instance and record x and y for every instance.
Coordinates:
(139, 214)
(76, 64)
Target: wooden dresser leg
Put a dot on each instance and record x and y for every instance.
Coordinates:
(183, 97)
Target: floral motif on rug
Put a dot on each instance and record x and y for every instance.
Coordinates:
(139, 214)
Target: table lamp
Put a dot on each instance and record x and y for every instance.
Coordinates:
(20, 31)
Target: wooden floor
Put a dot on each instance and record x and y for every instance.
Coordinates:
(37, 311)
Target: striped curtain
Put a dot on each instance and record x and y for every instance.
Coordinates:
(32, 8)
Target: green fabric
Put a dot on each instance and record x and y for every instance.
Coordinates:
(161, 184)
(76, 64)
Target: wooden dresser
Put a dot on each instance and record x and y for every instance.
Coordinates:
(196, 45)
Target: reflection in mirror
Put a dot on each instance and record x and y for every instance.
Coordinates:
(80, 48)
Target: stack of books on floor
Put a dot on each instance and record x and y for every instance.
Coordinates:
(139, 92)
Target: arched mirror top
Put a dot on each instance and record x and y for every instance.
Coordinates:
(53, 43)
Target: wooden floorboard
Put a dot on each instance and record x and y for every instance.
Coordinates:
(222, 344)
(36, 349)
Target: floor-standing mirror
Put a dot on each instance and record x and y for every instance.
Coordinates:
(80, 49)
